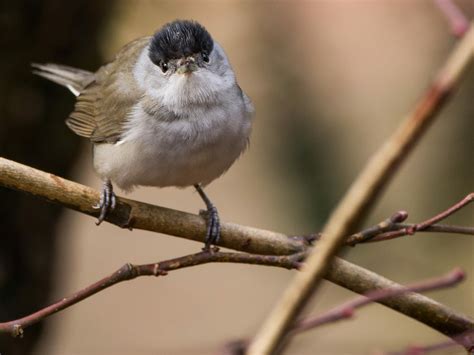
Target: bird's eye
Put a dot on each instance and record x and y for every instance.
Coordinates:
(205, 57)
(163, 66)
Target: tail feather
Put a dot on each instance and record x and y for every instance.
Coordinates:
(72, 78)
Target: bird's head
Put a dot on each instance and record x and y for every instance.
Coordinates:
(182, 47)
(186, 66)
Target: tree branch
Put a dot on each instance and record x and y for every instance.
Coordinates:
(159, 219)
(130, 272)
(140, 215)
(360, 197)
(347, 309)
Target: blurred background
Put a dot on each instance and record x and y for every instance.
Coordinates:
(330, 81)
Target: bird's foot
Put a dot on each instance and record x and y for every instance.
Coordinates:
(213, 231)
(107, 201)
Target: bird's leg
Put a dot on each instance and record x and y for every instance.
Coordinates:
(213, 224)
(107, 201)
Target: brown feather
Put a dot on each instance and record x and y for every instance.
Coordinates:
(101, 108)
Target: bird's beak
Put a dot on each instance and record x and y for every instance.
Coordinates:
(186, 66)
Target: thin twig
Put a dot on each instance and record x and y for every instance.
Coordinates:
(439, 217)
(436, 228)
(360, 197)
(392, 228)
(466, 340)
(346, 310)
(372, 232)
(397, 230)
(129, 272)
(458, 22)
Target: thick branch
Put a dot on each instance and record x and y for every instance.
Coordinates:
(360, 197)
(139, 215)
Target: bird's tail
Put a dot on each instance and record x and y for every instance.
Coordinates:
(74, 79)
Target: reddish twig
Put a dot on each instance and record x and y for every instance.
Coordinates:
(398, 230)
(466, 340)
(393, 228)
(458, 22)
(429, 224)
(346, 310)
(441, 228)
(439, 217)
(403, 228)
(129, 272)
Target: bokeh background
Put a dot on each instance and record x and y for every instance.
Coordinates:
(330, 81)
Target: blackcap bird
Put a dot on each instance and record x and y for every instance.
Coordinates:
(167, 111)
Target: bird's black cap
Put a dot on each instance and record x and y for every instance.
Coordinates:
(178, 39)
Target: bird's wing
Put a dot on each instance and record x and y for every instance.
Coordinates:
(102, 107)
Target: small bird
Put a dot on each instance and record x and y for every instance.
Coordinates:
(167, 111)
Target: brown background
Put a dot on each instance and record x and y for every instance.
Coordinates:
(330, 80)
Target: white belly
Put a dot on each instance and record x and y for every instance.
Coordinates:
(179, 152)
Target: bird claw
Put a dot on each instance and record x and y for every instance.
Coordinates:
(107, 202)
(213, 231)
